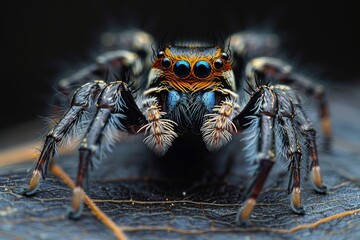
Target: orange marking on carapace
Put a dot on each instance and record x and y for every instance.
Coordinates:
(192, 83)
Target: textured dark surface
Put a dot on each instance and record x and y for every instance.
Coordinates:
(135, 190)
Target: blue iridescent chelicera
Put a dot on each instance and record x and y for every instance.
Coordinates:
(173, 99)
(209, 100)
(202, 69)
(182, 68)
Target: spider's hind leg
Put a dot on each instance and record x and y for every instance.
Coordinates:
(267, 69)
(120, 63)
(247, 45)
(125, 54)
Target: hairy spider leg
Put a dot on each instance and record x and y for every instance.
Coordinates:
(313, 166)
(246, 45)
(260, 70)
(126, 54)
(116, 112)
(294, 151)
(121, 63)
(274, 110)
(262, 104)
(282, 72)
(70, 125)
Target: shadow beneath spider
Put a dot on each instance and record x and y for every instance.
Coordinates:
(188, 161)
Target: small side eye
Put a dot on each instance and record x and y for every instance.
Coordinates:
(218, 64)
(225, 56)
(160, 54)
(166, 63)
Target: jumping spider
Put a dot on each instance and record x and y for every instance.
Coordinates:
(191, 87)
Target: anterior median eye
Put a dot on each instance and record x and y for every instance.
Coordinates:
(182, 69)
(202, 69)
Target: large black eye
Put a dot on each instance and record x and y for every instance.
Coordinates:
(182, 68)
(202, 69)
(165, 62)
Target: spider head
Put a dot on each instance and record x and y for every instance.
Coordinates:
(191, 68)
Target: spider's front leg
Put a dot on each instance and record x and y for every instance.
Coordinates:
(71, 124)
(263, 104)
(116, 112)
(98, 112)
(277, 126)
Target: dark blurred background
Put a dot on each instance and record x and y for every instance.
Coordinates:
(43, 41)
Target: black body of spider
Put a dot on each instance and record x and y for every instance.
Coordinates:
(191, 87)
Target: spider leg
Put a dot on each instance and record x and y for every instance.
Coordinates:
(277, 113)
(313, 165)
(263, 104)
(126, 54)
(288, 135)
(134, 40)
(121, 63)
(247, 45)
(294, 154)
(264, 69)
(74, 120)
(116, 112)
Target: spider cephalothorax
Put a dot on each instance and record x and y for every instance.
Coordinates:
(191, 88)
(188, 82)
(192, 68)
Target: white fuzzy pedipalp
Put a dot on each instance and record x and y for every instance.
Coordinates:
(218, 128)
(159, 133)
